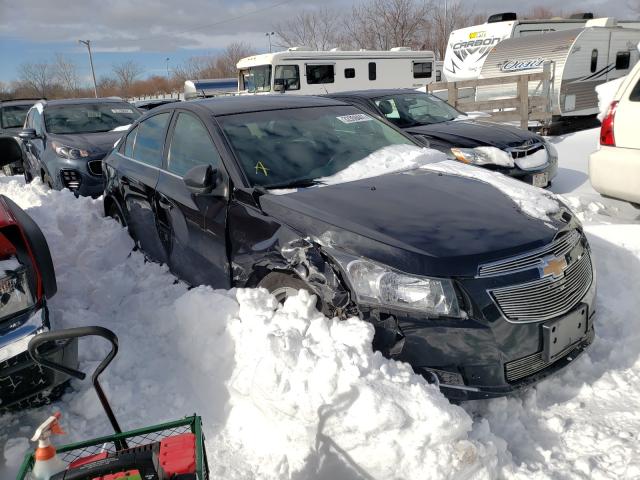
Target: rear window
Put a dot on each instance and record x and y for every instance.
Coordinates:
(13, 116)
(89, 117)
(635, 93)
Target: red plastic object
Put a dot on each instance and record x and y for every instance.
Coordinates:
(90, 459)
(606, 130)
(115, 476)
(178, 454)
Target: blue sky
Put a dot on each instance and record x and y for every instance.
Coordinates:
(149, 31)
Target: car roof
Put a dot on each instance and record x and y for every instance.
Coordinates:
(374, 93)
(19, 101)
(78, 101)
(230, 105)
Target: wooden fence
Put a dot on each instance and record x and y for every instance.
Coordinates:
(523, 107)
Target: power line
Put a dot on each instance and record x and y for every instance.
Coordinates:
(220, 22)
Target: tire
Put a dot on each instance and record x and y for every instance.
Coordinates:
(284, 285)
(115, 213)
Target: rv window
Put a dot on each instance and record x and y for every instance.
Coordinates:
(257, 79)
(372, 71)
(320, 74)
(349, 73)
(594, 60)
(422, 69)
(622, 60)
(438, 75)
(289, 76)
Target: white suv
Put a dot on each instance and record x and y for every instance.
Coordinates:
(614, 169)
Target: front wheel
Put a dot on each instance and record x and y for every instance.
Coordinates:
(115, 213)
(284, 285)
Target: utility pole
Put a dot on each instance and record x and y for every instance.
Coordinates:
(167, 59)
(270, 34)
(93, 73)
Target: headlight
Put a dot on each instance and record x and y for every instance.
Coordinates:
(68, 152)
(374, 284)
(551, 150)
(483, 156)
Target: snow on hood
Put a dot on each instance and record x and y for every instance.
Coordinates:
(394, 158)
(606, 92)
(533, 201)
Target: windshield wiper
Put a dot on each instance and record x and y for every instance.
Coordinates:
(299, 183)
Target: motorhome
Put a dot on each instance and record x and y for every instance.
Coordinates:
(302, 71)
(579, 60)
(467, 48)
(209, 87)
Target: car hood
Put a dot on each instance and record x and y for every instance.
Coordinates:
(418, 221)
(95, 143)
(473, 133)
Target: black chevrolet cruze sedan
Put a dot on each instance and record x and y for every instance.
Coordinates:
(433, 122)
(479, 296)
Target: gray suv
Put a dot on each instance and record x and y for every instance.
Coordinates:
(66, 140)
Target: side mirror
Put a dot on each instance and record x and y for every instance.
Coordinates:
(10, 151)
(27, 133)
(201, 179)
(279, 85)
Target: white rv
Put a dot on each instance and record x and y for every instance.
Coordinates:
(580, 60)
(468, 47)
(305, 72)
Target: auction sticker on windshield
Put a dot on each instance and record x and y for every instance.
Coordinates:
(357, 117)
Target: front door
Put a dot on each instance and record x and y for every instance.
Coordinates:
(197, 223)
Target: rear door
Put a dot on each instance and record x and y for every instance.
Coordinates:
(144, 151)
(197, 223)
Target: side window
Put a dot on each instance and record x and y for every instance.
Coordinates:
(438, 75)
(372, 71)
(320, 74)
(594, 60)
(635, 93)
(288, 75)
(422, 69)
(149, 141)
(349, 73)
(190, 146)
(130, 143)
(622, 60)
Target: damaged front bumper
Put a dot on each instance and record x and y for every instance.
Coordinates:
(22, 381)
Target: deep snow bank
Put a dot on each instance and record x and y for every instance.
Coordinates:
(284, 392)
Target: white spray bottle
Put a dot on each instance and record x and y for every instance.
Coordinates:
(47, 463)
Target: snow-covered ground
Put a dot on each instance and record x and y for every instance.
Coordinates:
(288, 394)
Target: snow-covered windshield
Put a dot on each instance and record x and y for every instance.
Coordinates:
(296, 147)
(89, 117)
(411, 109)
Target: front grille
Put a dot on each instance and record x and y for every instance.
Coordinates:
(558, 248)
(548, 297)
(527, 366)
(95, 167)
(71, 179)
(525, 150)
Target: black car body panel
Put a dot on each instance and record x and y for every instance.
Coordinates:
(461, 133)
(418, 222)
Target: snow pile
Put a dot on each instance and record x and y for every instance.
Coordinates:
(533, 201)
(606, 92)
(303, 384)
(394, 158)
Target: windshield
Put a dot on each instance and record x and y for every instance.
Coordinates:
(89, 118)
(13, 116)
(289, 148)
(256, 79)
(411, 109)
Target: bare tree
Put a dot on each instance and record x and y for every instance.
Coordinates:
(66, 74)
(440, 22)
(126, 73)
(38, 77)
(316, 29)
(226, 62)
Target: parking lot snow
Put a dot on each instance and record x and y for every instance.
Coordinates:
(289, 394)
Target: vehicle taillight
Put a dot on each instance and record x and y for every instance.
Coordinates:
(606, 131)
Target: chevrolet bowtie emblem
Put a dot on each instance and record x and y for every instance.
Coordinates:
(553, 266)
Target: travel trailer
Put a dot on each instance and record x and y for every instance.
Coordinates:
(301, 71)
(580, 59)
(468, 47)
(209, 87)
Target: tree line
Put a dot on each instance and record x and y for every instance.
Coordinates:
(370, 25)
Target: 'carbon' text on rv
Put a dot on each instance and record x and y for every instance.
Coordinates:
(476, 43)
